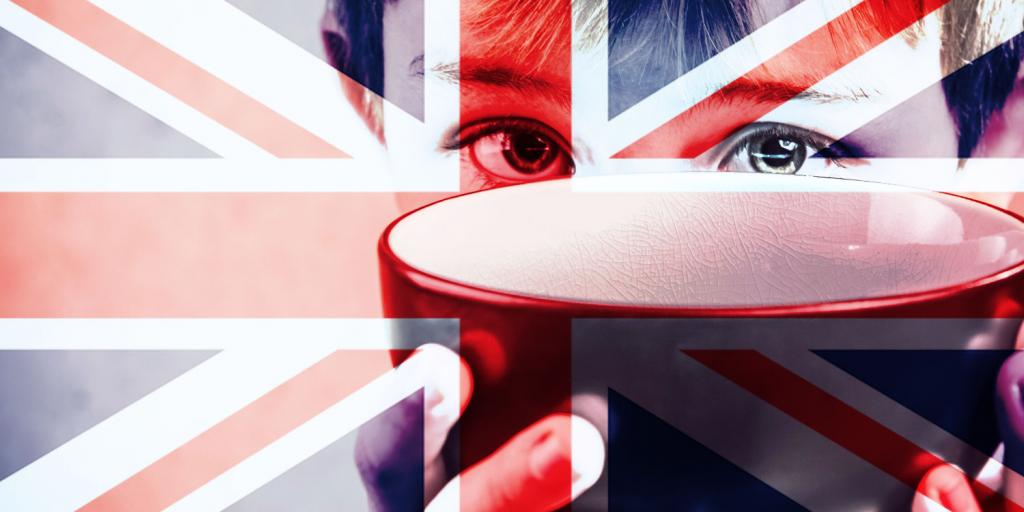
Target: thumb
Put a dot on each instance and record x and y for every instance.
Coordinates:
(389, 447)
(945, 488)
(533, 471)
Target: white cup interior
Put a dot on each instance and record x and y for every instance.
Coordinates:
(708, 240)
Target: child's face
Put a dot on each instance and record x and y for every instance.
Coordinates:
(517, 121)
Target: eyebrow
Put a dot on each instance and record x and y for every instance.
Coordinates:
(780, 92)
(497, 75)
(742, 89)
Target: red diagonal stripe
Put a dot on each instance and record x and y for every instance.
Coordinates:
(245, 432)
(800, 67)
(834, 419)
(181, 78)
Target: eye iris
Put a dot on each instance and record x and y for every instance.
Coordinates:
(778, 155)
(529, 153)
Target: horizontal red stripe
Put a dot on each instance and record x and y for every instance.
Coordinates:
(193, 254)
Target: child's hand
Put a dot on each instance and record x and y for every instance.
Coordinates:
(947, 488)
(529, 473)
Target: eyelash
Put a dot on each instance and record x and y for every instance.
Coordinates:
(834, 151)
(464, 136)
(839, 153)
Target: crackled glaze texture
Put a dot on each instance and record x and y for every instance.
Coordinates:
(708, 240)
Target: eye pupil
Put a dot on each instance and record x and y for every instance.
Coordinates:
(514, 151)
(530, 147)
(778, 155)
(528, 153)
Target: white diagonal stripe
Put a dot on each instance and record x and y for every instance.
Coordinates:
(125, 84)
(314, 435)
(130, 440)
(895, 72)
(711, 75)
(256, 60)
(262, 64)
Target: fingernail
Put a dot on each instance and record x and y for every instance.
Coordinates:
(549, 459)
(960, 498)
(433, 398)
(588, 452)
(948, 486)
(434, 368)
(930, 505)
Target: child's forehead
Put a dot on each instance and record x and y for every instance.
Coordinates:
(647, 44)
(642, 48)
(516, 29)
(503, 68)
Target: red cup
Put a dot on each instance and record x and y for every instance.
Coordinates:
(571, 290)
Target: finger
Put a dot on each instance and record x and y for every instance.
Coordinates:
(923, 503)
(1008, 388)
(588, 460)
(945, 488)
(533, 472)
(447, 387)
(1011, 422)
(398, 452)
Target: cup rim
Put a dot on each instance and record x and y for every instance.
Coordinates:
(517, 300)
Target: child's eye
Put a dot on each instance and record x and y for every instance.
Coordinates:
(514, 150)
(780, 149)
(776, 155)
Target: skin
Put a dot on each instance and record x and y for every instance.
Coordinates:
(513, 477)
(930, 131)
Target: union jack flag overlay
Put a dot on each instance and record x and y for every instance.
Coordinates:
(192, 195)
(843, 401)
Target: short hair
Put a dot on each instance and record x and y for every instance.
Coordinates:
(689, 33)
(353, 37)
(982, 86)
